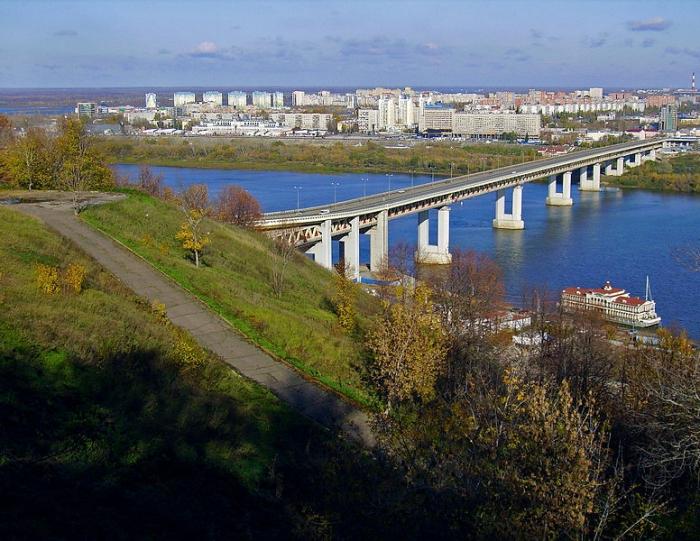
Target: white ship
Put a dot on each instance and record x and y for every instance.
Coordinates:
(614, 304)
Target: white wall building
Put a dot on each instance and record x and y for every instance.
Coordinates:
(304, 121)
(237, 99)
(151, 101)
(212, 96)
(277, 100)
(298, 98)
(183, 98)
(494, 124)
(367, 120)
(262, 100)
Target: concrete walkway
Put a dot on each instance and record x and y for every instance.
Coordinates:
(206, 327)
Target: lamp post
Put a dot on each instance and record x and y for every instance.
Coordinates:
(335, 191)
(451, 165)
(298, 189)
(364, 184)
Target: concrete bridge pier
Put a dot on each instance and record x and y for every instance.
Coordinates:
(323, 249)
(651, 155)
(379, 243)
(513, 220)
(350, 250)
(590, 184)
(563, 199)
(432, 254)
(636, 160)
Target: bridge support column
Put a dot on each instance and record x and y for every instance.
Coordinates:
(636, 160)
(590, 184)
(514, 219)
(379, 243)
(431, 254)
(323, 249)
(620, 167)
(350, 250)
(563, 199)
(649, 156)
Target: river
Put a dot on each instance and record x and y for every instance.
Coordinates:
(619, 236)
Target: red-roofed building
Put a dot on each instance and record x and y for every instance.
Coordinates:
(613, 303)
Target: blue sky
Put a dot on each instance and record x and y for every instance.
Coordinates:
(227, 43)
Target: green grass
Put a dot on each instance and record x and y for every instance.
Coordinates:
(299, 327)
(106, 320)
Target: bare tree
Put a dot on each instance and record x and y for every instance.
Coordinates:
(238, 207)
(149, 182)
(285, 250)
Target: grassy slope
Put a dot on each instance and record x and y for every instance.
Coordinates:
(95, 385)
(115, 425)
(299, 327)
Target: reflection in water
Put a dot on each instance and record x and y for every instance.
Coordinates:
(619, 236)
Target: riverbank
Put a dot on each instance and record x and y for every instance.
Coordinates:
(679, 174)
(430, 157)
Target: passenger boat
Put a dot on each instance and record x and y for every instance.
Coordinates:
(614, 304)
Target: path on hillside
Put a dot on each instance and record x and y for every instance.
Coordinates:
(212, 332)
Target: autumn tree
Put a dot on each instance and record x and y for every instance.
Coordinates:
(344, 300)
(81, 166)
(6, 133)
(237, 206)
(408, 348)
(28, 160)
(194, 204)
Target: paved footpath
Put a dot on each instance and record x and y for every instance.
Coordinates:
(212, 332)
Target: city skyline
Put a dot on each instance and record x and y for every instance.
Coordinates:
(490, 44)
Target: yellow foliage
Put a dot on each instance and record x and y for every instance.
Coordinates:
(409, 347)
(73, 277)
(187, 352)
(160, 311)
(345, 303)
(47, 279)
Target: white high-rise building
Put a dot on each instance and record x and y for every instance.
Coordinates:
(387, 113)
(277, 100)
(406, 112)
(212, 96)
(151, 102)
(298, 98)
(262, 100)
(183, 98)
(237, 99)
(596, 93)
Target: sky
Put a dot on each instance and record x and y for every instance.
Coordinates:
(225, 44)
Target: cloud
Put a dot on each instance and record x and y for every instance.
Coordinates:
(693, 53)
(655, 24)
(648, 42)
(206, 49)
(50, 67)
(65, 33)
(593, 42)
(164, 51)
(516, 55)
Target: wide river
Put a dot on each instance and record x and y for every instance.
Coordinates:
(620, 236)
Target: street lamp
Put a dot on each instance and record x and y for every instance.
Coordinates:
(298, 189)
(451, 164)
(364, 183)
(335, 191)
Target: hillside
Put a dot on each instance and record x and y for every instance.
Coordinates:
(115, 424)
(299, 326)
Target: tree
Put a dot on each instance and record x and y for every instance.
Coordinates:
(344, 298)
(408, 348)
(28, 161)
(6, 133)
(194, 204)
(285, 250)
(238, 207)
(149, 182)
(81, 166)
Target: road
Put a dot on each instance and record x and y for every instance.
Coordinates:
(406, 196)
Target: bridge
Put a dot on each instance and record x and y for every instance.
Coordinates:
(314, 228)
